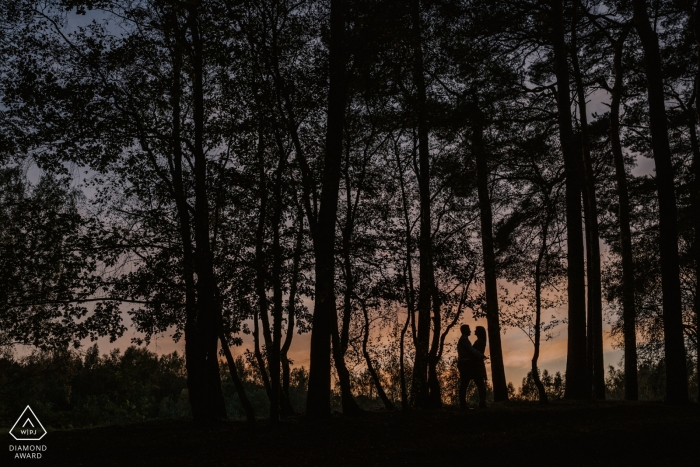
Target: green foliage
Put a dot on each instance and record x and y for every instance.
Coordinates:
(255, 390)
(67, 389)
(553, 386)
(48, 263)
(652, 381)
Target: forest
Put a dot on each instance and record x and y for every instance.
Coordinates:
(370, 173)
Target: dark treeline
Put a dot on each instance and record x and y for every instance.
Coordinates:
(73, 389)
(364, 171)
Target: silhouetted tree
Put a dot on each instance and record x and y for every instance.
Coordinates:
(676, 374)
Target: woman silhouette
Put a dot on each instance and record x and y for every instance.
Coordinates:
(479, 367)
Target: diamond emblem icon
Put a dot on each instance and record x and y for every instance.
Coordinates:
(28, 427)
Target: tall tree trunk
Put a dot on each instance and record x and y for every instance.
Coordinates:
(696, 165)
(538, 303)
(341, 337)
(274, 351)
(576, 288)
(427, 276)
(498, 375)
(629, 312)
(194, 362)
(692, 123)
(595, 364)
(318, 399)
(409, 290)
(260, 313)
(287, 408)
(207, 319)
(674, 346)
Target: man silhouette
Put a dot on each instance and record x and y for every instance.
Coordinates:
(467, 356)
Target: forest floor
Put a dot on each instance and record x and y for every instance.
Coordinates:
(564, 433)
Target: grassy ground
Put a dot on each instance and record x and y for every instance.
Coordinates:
(610, 433)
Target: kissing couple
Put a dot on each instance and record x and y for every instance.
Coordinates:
(470, 363)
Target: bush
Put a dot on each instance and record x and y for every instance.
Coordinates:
(553, 386)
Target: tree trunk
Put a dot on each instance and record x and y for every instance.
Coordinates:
(427, 278)
(287, 408)
(370, 366)
(696, 218)
(696, 165)
(350, 407)
(435, 392)
(402, 365)
(629, 312)
(538, 308)
(498, 375)
(207, 319)
(275, 349)
(319, 394)
(258, 354)
(194, 362)
(247, 407)
(409, 291)
(674, 346)
(341, 337)
(576, 288)
(595, 366)
(260, 313)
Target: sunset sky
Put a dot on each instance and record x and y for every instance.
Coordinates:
(517, 348)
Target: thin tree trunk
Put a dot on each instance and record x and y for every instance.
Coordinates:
(435, 394)
(350, 407)
(287, 408)
(319, 394)
(538, 302)
(207, 321)
(247, 407)
(341, 337)
(402, 365)
(674, 346)
(629, 312)
(370, 366)
(275, 348)
(576, 288)
(427, 277)
(595, 364)
(538, 322)
(260, 313)
(498, 375)
(193, 362)
(409, 289)
(347, 233)
(258, 354)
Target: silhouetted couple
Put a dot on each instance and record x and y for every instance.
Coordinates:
(471, 365)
